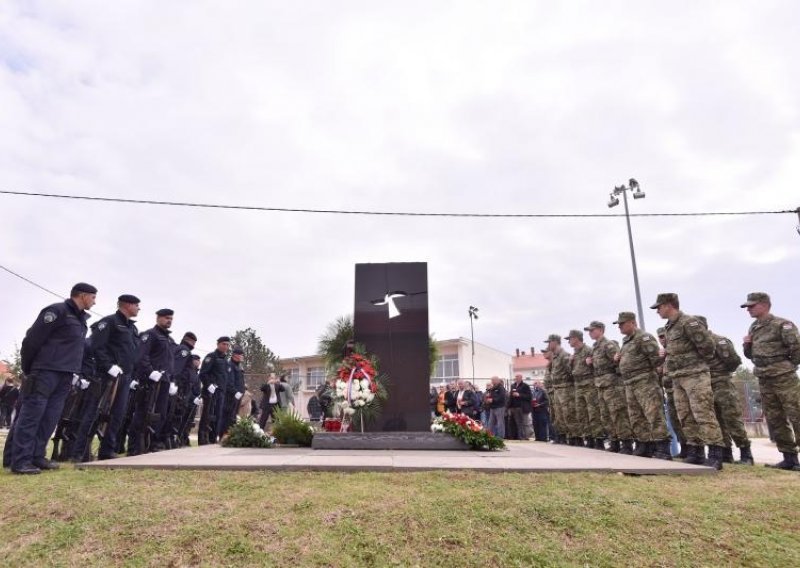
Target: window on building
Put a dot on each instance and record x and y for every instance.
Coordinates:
(446, 367)
(293, 377)
(315, 376)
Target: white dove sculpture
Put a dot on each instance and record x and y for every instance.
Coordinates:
(388, 299)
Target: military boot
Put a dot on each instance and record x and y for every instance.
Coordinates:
(695, 455)
(727, 454)
(684, 451)
(641, 449)
(663, 451)
(613, 446)
(789, 462)
(626, 447)
(746, 456)
(599, 444)
(715, 454)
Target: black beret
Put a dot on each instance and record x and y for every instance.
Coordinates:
(165, 312)
(196, 357)
(224, 339)
(238, 350)
(190, 335)
(82, 288)
(128, 299)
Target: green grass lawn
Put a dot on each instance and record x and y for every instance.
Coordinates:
(745, 516)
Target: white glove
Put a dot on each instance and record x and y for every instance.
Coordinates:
(134, 384)
(237, 396)
(115, 370)
(84, 384)
(173, 389)
(212, 388)
(75, 379)
(197, 401)
(155, 376)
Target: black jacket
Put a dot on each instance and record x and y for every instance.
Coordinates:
(215, 370)
(182, 368)
(498, 395)
(522, 401)
(113, 341)
(156, 353)
(55, 340)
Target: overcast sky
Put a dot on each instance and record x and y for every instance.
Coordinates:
(512, 107)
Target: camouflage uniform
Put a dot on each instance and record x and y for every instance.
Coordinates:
(666, 384)
(727, 405)
(564, 390)
(775, 352)
(611, 391)
(637, 364)
(587, 408)
(689, 349)
(547, 383)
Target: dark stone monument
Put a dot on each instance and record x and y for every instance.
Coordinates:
(391, 320)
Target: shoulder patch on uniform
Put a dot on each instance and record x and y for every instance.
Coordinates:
(647, 337)
(694, 323)
(207, 359)
(144, 337)
(101, 326)
(184, 353)
(723, 341)
(50, 316)
(787, 325)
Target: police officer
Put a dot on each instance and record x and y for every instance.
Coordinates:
(638, 359)
(51, 354)
(194, 400)
(214, 380)
(180, 404)
(689, 350)
(113, 343)
(773, 344)
(153, 370)
(234, 390)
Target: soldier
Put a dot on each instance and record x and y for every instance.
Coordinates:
(555, 416)
(611, 391)
(689, 350)
(214, 380)
(773, 344)
(153, 371)
(234, 390)
(563, 390)
(727, 406)
(587, 408)
(51, 355)
(666, 383)
(638, 359)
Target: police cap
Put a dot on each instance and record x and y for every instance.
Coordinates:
(165, 312)
(82, 288)
(128, 299)
(224, 339)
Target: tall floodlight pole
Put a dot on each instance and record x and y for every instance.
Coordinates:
(613, 201)
(473, 315)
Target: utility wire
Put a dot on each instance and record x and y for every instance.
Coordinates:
(29, 281)
(392, 213)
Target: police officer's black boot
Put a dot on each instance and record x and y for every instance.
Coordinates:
(626, 447)
(746, 456)
(715, 454)
(695, 454)
(727, 454)
(789, 462)
(663, 451)
(589, 443)
(613, 446)
(575, 441)
(599, 444)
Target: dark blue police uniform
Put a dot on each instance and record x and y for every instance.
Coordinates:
(214, 370)
(51, 353)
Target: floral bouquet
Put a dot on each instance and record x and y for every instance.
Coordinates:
(468, 431)
(360, 388)
(245, 433)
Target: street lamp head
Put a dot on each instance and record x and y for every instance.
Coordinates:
(613, 200)
(638, 194)
(633, 184)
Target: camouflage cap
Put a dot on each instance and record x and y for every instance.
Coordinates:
(553, 337)
(625, 316)
(595, 325)
(661, 332)
(544, 350)
(702, 320)
(754, 298)
(575, 333)
(664, 298)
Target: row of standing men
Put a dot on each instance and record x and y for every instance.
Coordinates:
(136, 392)
(618, 392)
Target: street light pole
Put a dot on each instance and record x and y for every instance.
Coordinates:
(473, 315)
(633, 187)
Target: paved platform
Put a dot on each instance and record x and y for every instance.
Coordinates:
(520, 457)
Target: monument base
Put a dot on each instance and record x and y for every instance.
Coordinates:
(386, 441)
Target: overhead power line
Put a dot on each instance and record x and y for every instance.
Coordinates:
(389, 213)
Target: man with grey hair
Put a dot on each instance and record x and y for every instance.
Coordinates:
(495, 398)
